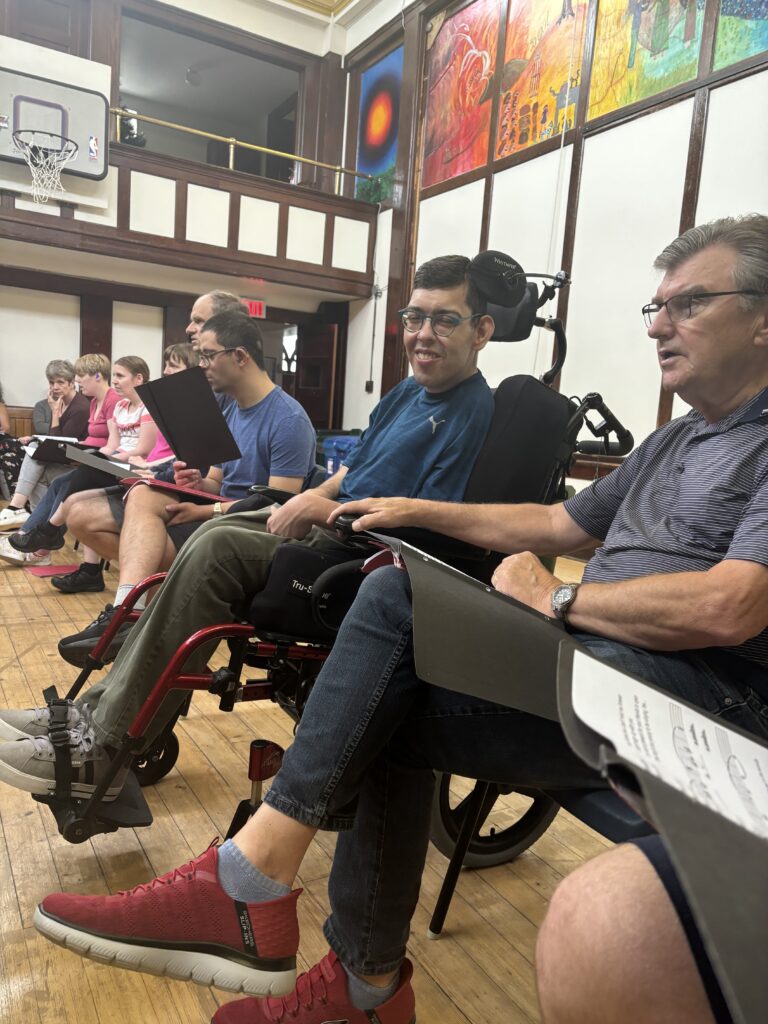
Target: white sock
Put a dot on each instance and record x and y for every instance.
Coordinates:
(123, 591)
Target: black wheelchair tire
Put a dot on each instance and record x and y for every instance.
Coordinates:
(156, 761)
(485, 851)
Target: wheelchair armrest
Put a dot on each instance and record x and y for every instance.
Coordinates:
(445, 548)
(272, 494)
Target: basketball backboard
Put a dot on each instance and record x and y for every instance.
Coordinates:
(30, 103)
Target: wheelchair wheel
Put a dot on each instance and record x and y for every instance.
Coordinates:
(502, 837)
(156, 761)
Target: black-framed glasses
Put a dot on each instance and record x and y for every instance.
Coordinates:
(683, 307)
(206, 356)
(443, 324)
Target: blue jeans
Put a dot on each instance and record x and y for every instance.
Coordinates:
(49, 503)
(363, 758)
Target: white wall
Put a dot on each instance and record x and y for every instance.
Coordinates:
(361, 337)
(36, 327)
(138, 331)
(629, 209)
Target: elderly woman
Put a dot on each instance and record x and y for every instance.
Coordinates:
(68, 418)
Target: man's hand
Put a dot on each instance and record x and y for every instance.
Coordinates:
(185, 477)
(379, 513)
(25, 440)
(297, 516)
(187, 512)
(525, 578)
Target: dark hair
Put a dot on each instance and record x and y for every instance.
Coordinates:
(134, 365)
(237, 330)
(182, 352)
(747, 236)
(450, 272)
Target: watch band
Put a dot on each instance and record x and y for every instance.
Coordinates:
(217, 510)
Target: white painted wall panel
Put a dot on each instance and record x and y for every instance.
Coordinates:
(306, 235)
(450, 223)
(365, 346)
(37, 327)
(138, 331)
(258, 226)
(207, 215)
(734, 175)
(153, 204)
(629, 209)
(107, 190)
(350, 244)
(527, 221)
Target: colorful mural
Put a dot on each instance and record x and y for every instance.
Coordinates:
(742, 31)
(377, 127)
(541, 78)
(461, 64)
(643, 47)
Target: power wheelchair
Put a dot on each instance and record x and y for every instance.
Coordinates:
(509, 469)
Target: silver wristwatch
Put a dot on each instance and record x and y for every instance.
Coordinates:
(217, 510)
(562, 598)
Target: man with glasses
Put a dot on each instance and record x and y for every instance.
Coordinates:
(277, 444)
(422, 440)
(678, 594)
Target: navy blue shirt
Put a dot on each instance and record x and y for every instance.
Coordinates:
(692, 494)
(419, 445)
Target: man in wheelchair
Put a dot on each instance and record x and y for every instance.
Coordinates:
(677, 594)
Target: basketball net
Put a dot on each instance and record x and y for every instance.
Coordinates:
(46, 155)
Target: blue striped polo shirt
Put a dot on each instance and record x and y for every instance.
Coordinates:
(691, 495)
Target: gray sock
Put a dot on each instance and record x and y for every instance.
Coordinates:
(241, 881)
(367, 997)
(123, 591)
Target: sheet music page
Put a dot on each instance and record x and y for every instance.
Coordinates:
(712, 765)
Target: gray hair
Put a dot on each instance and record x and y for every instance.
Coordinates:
(225, 302)
(60, 368)
(747, 236)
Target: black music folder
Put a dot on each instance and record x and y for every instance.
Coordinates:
(188, 416)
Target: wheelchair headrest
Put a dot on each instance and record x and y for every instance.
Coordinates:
(512, 301)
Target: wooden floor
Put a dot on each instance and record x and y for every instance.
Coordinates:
(480, 971)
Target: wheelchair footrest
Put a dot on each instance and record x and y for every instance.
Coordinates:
(129, 810)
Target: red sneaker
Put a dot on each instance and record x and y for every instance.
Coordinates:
(320, 997)
(183, 925)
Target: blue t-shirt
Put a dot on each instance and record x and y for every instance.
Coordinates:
(275, 438)
(419, 445)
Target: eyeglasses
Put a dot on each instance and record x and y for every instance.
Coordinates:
(206, 356)
(443, 324)
(683, 307)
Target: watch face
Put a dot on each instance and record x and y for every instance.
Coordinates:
(563, 596)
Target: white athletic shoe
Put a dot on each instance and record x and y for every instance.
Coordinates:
(9, 554)
(12, 519)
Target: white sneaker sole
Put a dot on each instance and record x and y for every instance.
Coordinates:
(202, 968)
(17, 524)
(47, 787)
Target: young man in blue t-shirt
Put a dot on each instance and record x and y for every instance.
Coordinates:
(273, 433)
(423, 439)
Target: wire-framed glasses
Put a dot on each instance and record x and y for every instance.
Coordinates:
(683, 307)
(443, 324)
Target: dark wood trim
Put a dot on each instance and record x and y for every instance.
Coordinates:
(7, 200)
(123, 198)
(536, 150)
(105, 44)
(451, 183)
(180, 212)
(708, 37)
(61, 284)
(405, 207)
(233, 235)
(592, 467)
(330, 230)
(485, 222)
(282, 231)
(354, 88)
(96, 323)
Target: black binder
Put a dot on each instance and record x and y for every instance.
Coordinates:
(188, 416)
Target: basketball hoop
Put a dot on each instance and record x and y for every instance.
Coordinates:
(46, 155)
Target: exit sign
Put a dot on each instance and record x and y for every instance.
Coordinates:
(257, 308)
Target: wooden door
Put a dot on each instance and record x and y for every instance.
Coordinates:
(314, 386)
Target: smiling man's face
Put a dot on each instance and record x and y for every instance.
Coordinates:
(439, 364)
